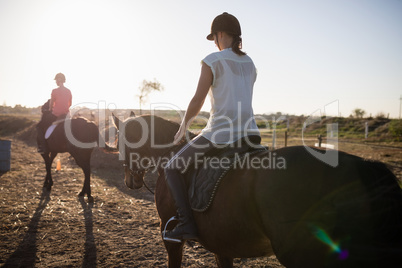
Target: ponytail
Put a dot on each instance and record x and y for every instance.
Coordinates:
(237, 45)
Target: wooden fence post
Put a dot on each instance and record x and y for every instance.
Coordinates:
(366, 130)
(319, 140)
(286, 138)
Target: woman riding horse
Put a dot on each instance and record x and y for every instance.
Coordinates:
(228, 76)
(59, 105)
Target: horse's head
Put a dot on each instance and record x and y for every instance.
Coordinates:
(144, 143)
(129, 133)
(133, 176)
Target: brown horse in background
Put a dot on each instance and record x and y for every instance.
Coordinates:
(308, 214)
(77, 136)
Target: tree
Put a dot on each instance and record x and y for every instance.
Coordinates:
(359, 113)
(146, 88)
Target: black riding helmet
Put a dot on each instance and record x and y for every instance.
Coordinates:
(225, 23)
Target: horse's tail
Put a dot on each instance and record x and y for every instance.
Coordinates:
(102, 143)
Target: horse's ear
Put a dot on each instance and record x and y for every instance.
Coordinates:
(116, 121)
(132, 114)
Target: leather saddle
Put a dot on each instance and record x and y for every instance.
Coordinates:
(203, 179)
(53, 126)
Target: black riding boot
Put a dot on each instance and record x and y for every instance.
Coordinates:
(186, 228)
(41, 140)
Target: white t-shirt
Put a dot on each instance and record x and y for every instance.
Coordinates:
(231, 116)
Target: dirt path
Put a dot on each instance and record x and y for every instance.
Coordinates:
(57, 229)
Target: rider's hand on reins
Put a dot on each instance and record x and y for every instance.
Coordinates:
(179, 135)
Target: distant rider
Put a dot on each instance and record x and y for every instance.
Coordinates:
(58, 108)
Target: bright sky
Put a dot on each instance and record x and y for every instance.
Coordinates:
(309, 53)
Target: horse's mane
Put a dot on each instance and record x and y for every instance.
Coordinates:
(163, 130)
(46, 106)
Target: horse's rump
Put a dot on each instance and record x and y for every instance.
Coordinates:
(320, 215)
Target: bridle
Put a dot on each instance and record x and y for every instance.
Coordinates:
(140, 172)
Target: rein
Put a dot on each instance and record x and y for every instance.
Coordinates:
(141, 171)
(147, 187)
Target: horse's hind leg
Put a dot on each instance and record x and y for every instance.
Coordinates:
(86, 189)
(83, 159)
(48, 162)
(223, 262)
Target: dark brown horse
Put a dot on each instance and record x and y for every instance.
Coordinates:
(79, 137)
(304, 211)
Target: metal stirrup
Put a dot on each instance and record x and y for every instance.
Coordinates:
(174, 240)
